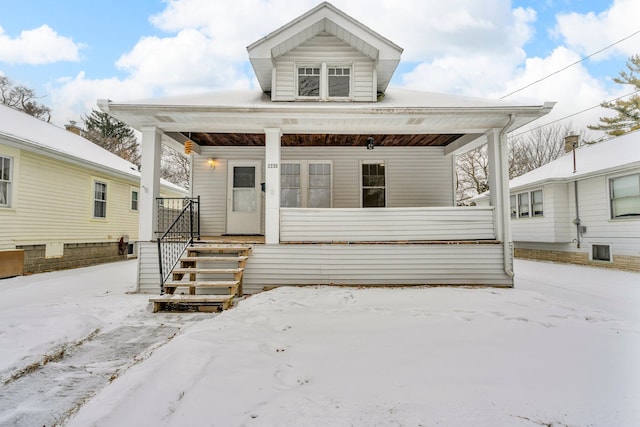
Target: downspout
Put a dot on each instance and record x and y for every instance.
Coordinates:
(577, 220)
(506, 226)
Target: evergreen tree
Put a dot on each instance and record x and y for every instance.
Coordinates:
(112, 135)
(628, 117)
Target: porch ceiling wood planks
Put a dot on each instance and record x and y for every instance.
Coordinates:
(324, 140)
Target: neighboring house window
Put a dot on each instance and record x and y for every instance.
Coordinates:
(319, 185)
(309, 81)
(290, 185)
(526, 205)
(514, 206)
(523, 205)
(625, 196)
(5, 181)
(536, 203)
(338, 82)
(305, 184)
(134, 200)
(99, 199)
(373, 185)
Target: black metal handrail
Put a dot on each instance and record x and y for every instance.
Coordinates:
(184, 215)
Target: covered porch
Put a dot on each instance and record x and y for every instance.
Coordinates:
(415, 235)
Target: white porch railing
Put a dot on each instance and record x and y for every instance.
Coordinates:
(387, 224)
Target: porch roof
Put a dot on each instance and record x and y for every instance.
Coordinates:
(220, 118)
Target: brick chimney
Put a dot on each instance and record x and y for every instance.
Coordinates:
(73, 128)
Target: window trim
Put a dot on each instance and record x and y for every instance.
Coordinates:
(386, 182)
(611, 199)
(10, 182)
(95, 182)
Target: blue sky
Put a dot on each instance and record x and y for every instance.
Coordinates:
(73, 52)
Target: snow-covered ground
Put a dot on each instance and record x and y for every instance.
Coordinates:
(560, 349)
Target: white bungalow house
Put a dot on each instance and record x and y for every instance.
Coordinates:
(589, 215)
(64, 201)
(349, 182)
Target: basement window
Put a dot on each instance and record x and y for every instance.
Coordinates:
(601, 253)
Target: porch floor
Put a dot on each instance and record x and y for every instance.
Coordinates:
(258, 240)
(234, 239)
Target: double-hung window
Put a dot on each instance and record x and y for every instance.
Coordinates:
(134, 200)
(527, 205)
(323, 81)
(309, 82)
(373, 185)
(306, 184)
(5, 181)
(99, 199)
(625, 196)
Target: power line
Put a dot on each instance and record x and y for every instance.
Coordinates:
(575, 114)
(571, 65)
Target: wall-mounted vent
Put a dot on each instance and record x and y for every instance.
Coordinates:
(415, 121)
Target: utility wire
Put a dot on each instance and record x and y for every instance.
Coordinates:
(575, 114)
(571, 65)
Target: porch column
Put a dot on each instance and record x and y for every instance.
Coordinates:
(151, 148)
(272, 186)
(496, 171)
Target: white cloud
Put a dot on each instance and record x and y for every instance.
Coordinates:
(39, 46)
(461, 47)
(588, 33)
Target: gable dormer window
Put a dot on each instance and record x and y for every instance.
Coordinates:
(323, 82)
(339, 82)
(309, 82)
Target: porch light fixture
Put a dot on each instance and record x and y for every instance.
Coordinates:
(211, 162)
(370, 145)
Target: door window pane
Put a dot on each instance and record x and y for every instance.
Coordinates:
(244, 177)
(244, 199)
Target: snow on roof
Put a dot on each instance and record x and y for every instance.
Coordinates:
(48, 139)
(615, 153)
(393, 98)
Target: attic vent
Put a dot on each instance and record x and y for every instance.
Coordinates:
(415, 121)
(289, 121)
(165, 119)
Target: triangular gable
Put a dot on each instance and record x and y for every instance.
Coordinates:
(324, 18)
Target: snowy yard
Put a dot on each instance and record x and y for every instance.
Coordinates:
(561, 349)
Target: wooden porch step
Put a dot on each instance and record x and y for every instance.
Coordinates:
(232, 285)
(202, 302)
(192, 270)
(214, 258)
(245, 250)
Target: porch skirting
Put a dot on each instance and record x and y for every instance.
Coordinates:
(365, 264)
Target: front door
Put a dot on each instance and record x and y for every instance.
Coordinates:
(244, 197)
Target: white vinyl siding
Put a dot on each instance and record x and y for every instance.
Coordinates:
(333, 53)
(387, 224)
(416, 176)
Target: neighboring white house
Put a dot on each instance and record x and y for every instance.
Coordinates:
(64, 201)
(604, 230)
(358, 182)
